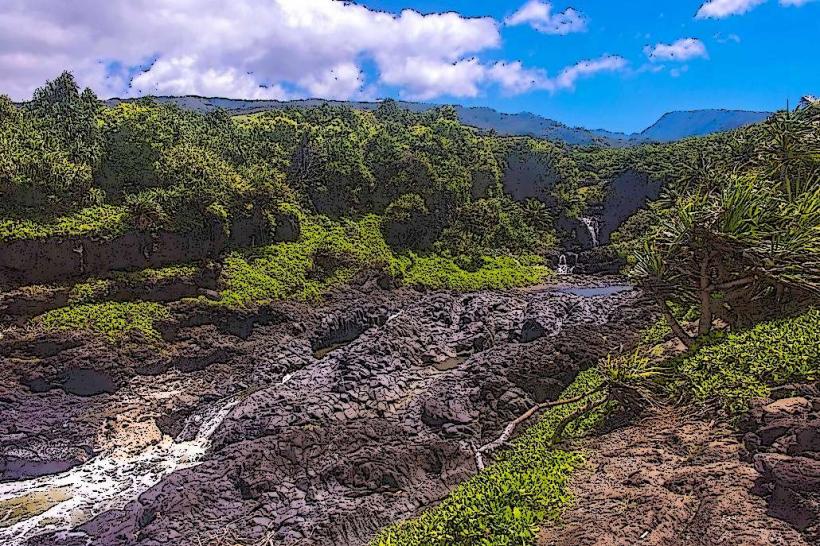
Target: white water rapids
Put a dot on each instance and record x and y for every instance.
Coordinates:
(108, 481)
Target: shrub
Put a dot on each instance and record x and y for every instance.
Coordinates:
(732, 369)
(113, 320)
(504, 504)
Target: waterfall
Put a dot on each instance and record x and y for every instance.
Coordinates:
(563, 267)
(594, 227)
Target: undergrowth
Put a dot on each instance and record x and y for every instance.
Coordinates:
(113, 320)
(505, 503)
(330, 253)
(98, 290)
(732, 369)
(103, 221)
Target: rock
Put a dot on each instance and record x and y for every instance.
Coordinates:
(315, 450)
(787, 456)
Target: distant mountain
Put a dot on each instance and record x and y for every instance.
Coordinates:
(672, 126)
(678, 125)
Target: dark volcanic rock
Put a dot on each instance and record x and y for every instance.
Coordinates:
(328, 450)
(783, 440)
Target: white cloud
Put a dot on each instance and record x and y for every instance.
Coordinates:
(721, 39)
(569, 76)
(677, 72)
(539, 16)
(422, 78)
(682, 50)
(718, 9)
(244, 48)
(272, 49)
(514, 78)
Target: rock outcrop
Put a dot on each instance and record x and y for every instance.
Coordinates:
(322, 425)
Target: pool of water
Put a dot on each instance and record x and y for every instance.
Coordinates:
(594, 291)
(450, 363)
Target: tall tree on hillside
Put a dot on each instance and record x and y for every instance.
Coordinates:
(67, 118)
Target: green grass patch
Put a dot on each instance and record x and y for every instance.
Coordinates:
(113, 320)
(98, 290)
(330, 253)
(732, 369)
(103, 221)
(286, 270)
(501, 272)
(504, 504)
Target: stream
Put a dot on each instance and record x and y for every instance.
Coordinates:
(351, 416)
(108, 481)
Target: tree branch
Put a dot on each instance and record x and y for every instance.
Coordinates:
(510, 428)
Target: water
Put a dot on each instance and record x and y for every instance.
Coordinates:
(563, 268)
(109, 481)
(594, 292)
(450, 363)
(594, 228)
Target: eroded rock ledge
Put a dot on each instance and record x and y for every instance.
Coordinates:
(311, 450)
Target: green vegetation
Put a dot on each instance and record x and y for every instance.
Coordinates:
(505, 503)
(111, 319)
(502, 272)
(739, 236)
(101, 221)
(330, 253)
(730, 370)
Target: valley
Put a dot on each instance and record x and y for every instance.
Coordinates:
(329, 325)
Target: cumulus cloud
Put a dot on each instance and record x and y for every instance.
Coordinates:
(569, 76)
(514, 78)
(682, 50)
(718, 9)
(244, 48)
(539, 15)
(265, 49)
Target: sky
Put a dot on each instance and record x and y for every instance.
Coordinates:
(611, 64)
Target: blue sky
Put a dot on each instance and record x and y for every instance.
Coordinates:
(608, 64)
(776, 59)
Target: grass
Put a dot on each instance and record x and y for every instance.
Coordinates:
(113, 320)
(98, 290)
(288, 270)
(103, 221)
(438, 272)
(505, 503)
(327, 254)
(732, 369)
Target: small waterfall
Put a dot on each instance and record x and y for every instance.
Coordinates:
(594, 228)
(563, 267)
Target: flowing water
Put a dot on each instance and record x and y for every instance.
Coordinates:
(108, 481)
(563, 267)
(594, 228)
(594, 291)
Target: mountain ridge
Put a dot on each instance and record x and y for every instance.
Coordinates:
(669, 127)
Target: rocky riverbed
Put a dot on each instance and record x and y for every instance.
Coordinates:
(297, 424)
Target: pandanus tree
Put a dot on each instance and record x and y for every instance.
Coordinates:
(740, 243)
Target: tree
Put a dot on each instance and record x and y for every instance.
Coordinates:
(739, 245)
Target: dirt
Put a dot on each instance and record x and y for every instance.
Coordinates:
(668, 480)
